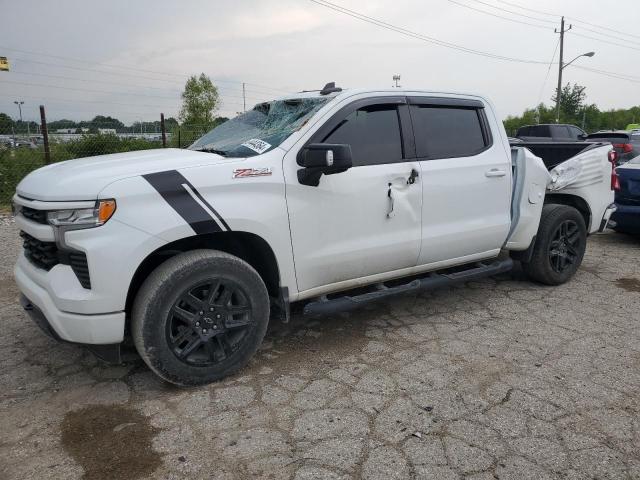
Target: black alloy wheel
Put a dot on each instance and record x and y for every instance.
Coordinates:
(208, 322)
(564, 248)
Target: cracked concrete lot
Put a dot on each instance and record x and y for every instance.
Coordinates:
(494, 379)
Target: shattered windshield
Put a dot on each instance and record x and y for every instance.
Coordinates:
(259, 130)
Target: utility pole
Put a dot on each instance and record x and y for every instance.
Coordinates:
(560, 67)
(244, 99)
(45, 135)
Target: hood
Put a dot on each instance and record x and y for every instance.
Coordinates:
(84, 178)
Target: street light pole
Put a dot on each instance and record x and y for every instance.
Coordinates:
(559, 92)
(19, 104)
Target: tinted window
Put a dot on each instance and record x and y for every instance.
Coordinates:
(373, 133)
(575, 132)
(560, 131)
(539, 131)
(445, 132)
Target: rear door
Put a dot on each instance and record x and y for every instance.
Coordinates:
(466, 180)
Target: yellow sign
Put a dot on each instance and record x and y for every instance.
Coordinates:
(4, 64)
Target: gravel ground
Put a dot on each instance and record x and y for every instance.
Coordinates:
(495, 379)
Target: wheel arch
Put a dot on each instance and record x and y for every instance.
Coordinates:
(247, 246)
(574, 201)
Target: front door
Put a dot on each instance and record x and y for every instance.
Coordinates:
(366, 220)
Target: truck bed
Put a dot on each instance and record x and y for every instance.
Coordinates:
(554, 153)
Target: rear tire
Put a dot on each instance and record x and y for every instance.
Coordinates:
(560, 245)
(199, 317)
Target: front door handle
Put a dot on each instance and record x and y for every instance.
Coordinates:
(494, 172)
(412, 178)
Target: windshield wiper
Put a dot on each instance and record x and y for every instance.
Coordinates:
(222, 153)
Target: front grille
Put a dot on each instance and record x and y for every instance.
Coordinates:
(46, 255)
(42, 254)
(39, 216)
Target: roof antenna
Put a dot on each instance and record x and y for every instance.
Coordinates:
(330, 88)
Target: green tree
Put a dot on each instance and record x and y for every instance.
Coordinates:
(64, 123)
(571, 102)
(6, 123)
(200, 100)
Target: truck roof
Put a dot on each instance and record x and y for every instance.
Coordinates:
(348, 92)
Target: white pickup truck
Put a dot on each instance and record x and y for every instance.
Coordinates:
(331, 197)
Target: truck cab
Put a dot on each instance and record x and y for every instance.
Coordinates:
(551, 132)
(310, 197)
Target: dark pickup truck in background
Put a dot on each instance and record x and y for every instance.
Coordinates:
(626, 144)
(553, 132)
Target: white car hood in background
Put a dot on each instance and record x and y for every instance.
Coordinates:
(84, 178)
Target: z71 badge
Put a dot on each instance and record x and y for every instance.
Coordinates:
(251, 172)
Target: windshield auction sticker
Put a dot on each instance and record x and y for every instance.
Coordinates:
(257, 145)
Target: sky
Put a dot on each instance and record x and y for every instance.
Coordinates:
(130, 59)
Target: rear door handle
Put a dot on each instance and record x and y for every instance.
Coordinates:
(494, 172)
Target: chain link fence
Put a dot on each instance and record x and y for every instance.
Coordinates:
(23, 150)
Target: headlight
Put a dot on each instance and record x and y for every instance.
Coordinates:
(87, 217)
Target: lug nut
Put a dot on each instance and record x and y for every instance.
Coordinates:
(218, 316)
(215, 327)
(204, 330)
(201, 312)
(197, 324)
(211, 309)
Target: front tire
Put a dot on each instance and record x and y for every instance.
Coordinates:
(199, 317)
(560, 245)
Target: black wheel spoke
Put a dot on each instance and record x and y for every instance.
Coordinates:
(182, 314)
(184, 334)
(193, 301)
(190, 347)
(211, 349)
(223, 341)
(213, 292)
(573, 238)
(225, 297)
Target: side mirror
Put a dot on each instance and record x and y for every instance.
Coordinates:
(322, 158)
(582, 136)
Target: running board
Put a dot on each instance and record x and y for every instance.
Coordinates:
(324, 305)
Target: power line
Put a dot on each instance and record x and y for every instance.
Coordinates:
(418, 36)
(128, 68)
(544, 84)
(514, 13)
(409, 33)
(547, 21)
(528, 9)
(608, 35)
(605, 41)
(496, 15)
(573, 19)
(75, 89)
(74, 100)
(618, 76)
(62, 77)
(177, 97)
